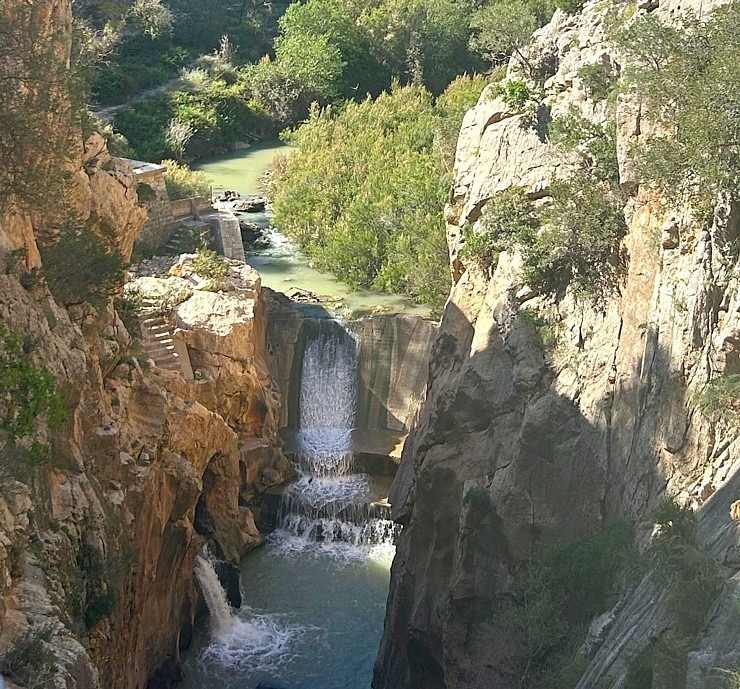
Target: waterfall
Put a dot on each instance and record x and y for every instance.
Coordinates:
(214, 594)
(330, 503)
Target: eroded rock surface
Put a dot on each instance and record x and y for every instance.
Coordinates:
(517, 445)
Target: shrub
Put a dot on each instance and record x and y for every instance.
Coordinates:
(546, 331)
(363, 194)
(569, 6)
(477, 498)
(594, 146)
(597, 80)
(30, 660)
(721, 397)
(145, 192)
(81, 267)
(128, 306)
(515, 93)
(184, 183)
(508, 219)
(685, 568)
(501, 28)
(579, 245)
(208, 264)
(545, 612)
(28, 393)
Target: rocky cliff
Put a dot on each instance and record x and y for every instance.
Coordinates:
(519, 446)
(100, 530)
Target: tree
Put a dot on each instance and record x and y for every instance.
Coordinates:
(37, 115)
(502, 28)
(363, 194)
(690, 76)
(81, 268)
(177, 135)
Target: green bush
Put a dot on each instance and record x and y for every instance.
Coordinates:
(128, 306)
(477, 498)
(721, 397)
(28, 393)
(515, 93)
(594, 146)
(82, 268)
(184, 183)
(685, 568)
(574, 241)
(554, 596)
(208, 264)
(508, 220)
(29, 660)
(692, 582)
(569, 6)
(546, 331)
(145, 192)
(597, 80)
(501, 28)
(579, 244)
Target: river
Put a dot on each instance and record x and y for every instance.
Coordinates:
(282, 266)
(313, 598)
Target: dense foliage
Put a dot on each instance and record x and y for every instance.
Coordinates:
(503, 27)
(325, 51)
(28, 393)
(82, 268)
(364, 192)
(554, 595)
(691, 580)
(215, 112)
(184, 183)
(572, 240)
(690, 75)
(721, 397)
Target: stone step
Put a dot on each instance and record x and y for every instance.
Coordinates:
(157, 334)
(159, 350)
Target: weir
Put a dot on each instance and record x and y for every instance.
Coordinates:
(331, 502)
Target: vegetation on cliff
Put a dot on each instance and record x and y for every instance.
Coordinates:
(365, 190)
(689, 75)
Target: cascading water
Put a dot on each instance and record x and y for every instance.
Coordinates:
(329, 504)
(317, 590)
(220, 611)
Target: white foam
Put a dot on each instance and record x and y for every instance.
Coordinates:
(253, 642)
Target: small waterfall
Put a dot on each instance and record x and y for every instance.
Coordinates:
(221, 613)
(330, 503)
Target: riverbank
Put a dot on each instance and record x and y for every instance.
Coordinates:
(281, 265)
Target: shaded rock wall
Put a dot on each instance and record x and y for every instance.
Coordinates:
(560, 440)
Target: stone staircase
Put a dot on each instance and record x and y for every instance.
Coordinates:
(182, 236)
(159, 345)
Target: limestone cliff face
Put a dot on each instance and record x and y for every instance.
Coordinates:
(601, 426)
(99, 541)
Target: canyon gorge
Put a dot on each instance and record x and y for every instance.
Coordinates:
(520, 422)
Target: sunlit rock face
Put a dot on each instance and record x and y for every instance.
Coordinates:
(559, 440)
(149, 465)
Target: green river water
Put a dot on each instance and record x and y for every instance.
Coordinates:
(313, 598)
(282, 266)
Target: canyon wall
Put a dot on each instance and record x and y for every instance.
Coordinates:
(519, 445)
(99, 535)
